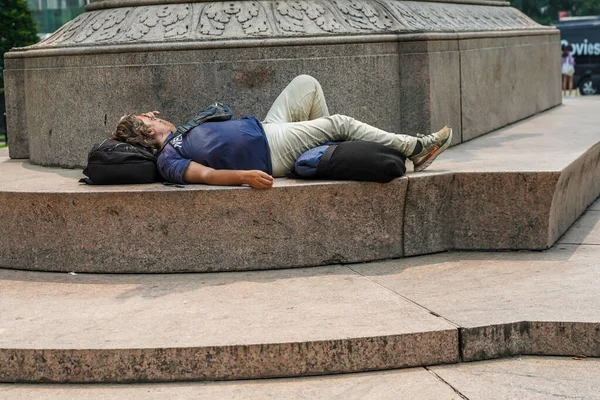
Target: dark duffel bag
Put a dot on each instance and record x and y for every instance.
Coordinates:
(353, 160)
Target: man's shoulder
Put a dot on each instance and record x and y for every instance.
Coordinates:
(169, 151)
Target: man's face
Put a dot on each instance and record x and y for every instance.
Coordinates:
(158, 126)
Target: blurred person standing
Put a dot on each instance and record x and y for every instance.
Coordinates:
(567, 70)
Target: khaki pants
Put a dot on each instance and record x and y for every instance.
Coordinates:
(299, 121)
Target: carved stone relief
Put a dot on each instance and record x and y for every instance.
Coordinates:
(280, 18)
(304, 17)
(169, 20)
(363, 15)
(219, 18)
(104, 27)
(67, 31)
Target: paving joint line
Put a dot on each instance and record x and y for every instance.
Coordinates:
(462, 396)
(580, 244)
(405, 298)
(460, 93)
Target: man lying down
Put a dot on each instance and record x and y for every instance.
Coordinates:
(248, 151)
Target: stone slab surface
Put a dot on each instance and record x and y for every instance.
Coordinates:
(429, 87)
(595, 206)
(429, 208)
(445, 90)
(577, 188)
(507, 303)
(472, 208)
(546, 142)
(90, 328)
(479, 289)
(488, 208)
(407, 384)
(16, 110)
(490, 86)
(526, 378)
(586, 230)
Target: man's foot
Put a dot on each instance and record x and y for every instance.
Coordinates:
(433, 146)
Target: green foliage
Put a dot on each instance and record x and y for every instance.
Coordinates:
(588, 7)
(546, 12)
(17, 29)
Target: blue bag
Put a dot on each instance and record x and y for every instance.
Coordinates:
(307, 163)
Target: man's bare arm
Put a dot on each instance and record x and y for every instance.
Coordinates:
(198, 173)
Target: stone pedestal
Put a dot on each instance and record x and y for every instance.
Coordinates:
(404, 66)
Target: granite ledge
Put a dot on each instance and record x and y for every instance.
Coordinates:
(530, 338)
(229, 362)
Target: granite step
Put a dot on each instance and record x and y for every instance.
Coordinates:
(514, 378)
(242, 325)
(418, 311)
(520, 187)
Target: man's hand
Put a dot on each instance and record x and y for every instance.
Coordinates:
(151, 114)
(258, 179)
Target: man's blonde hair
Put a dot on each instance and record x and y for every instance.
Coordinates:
(131, 129)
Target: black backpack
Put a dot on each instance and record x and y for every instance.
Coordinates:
(113, 162)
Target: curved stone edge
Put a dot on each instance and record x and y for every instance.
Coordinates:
(267, 20)
(272, 360)
(287, 227)
(528, 219)
(576, 189)
(106, 4)
(229, 362)
(189, 230)
(292, 225)
(530, 338)
(18, 53)
(471, 211)
(543, 215)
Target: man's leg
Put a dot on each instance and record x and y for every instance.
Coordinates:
(570, 85)
(288, 141)
(301, 100)
(299, 121)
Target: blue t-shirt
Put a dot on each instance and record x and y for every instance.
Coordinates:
(235, 144)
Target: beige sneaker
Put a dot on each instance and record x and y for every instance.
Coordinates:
(433, 146)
